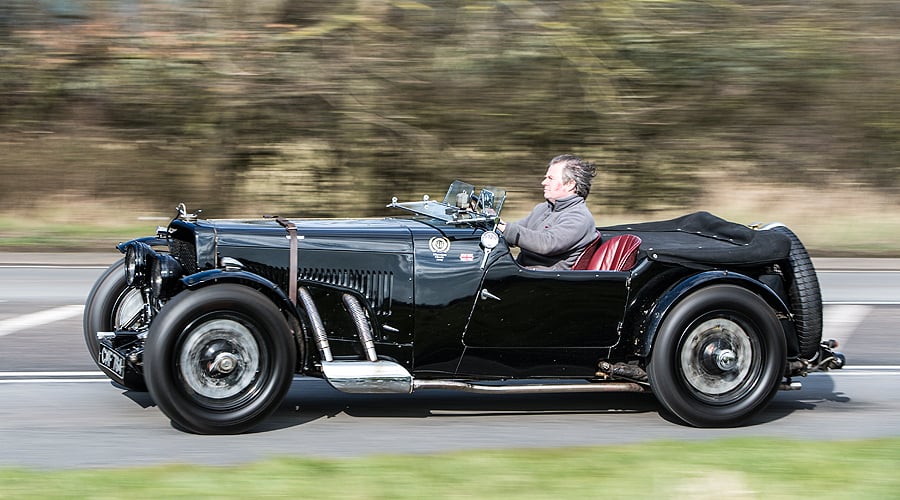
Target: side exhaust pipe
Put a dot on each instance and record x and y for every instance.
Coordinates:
(379, 377)
(356, 311)
(318, 327)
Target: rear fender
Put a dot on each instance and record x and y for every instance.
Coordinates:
(675, 294)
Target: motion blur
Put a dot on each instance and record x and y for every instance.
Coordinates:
(261, 107)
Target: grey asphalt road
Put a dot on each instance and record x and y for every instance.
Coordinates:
(56, 412)
(93, 424)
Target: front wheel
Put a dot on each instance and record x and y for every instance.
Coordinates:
(718, 358)
(220, 359)
(114, 306)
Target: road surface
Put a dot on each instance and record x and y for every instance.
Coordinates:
(56, 411)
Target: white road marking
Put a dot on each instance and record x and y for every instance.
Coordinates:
(851, 371)
(839, 321)
(37, 377)
(18, 323)
(50, 374)
(49, 266)
(51, 380)
(861, 303)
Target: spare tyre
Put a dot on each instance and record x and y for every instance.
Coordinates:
(804, 293)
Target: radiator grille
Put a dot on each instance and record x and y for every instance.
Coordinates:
(185, 253)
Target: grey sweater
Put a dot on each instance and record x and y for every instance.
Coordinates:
(553, 235)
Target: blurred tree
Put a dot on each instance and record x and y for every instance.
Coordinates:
(354, 101)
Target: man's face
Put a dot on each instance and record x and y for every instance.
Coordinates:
(554, 187)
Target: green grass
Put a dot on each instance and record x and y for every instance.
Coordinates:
(29, 234)
(733, 468)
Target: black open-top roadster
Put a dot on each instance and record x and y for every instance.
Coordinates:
(215, 317)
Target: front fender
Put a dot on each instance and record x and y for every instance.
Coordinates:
(153, 241)
(266, 287)
(213, 276)
(675, 294)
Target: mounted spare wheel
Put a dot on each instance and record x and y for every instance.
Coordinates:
(805, 295)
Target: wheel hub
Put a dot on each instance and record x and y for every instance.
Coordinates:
(224, 363)
(726, 359)
(219, 359)
(716, 357)
(720, 357)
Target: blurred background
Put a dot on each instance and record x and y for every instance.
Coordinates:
(113, 111)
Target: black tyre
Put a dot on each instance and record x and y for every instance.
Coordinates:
(114, 306)
(805, 296)
(718, 358)
(219, 360)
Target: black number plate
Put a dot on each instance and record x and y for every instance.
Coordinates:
(111, 360)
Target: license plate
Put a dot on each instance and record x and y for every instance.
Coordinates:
(111, 360)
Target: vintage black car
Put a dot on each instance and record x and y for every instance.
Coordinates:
(215, 317)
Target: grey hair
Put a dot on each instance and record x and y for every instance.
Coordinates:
(578, 170)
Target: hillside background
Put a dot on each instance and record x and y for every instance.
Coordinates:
(112, 112)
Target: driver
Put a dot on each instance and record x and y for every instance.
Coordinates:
(555, 233)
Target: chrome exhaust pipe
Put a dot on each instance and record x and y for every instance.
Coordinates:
(318, 327)
(368, 377)
(380, 377)
(356, 311)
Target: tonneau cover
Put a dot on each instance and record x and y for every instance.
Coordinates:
(703, 240)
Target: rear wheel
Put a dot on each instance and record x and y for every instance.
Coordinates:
(718, 358)
(220, 359)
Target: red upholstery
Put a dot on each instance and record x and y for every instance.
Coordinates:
(585, 258)
(618, 253)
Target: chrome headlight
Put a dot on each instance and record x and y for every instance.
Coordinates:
(136, 263)
(164, 276)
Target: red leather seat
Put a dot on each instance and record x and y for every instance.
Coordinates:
(618, 253)
(585, 258)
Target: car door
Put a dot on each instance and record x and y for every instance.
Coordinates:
(519, 308)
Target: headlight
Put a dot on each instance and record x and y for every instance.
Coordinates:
(136, 266)
(164, 276)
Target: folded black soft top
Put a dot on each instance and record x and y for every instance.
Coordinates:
(703, 240)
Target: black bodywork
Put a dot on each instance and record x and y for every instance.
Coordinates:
(444, 306)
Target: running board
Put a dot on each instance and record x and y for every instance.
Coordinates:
(373, 377)
(528, 388)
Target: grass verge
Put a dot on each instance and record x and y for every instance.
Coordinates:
(731, 468)
(829, 221)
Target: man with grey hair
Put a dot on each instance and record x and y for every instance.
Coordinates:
(555, 233)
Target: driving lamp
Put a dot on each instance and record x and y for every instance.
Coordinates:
(136, 257)
(164, 276)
